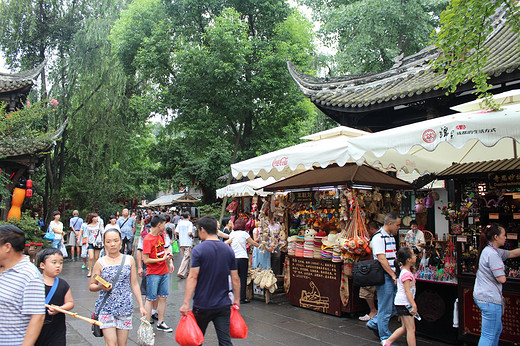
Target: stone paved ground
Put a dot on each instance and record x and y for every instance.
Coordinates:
(278, 323)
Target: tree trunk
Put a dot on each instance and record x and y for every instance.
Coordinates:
(230, 176)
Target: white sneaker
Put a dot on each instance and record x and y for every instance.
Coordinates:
(383, 342)
(162, 326)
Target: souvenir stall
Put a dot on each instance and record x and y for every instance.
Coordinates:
(265, 212)
(482, 193)
(328, 209)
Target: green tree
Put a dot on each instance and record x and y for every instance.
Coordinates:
(369, 34)
(465, 25)
(219, 68)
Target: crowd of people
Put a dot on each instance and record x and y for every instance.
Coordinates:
(32, 303)
(117, 253)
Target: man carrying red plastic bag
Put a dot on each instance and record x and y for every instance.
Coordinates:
(212, 262)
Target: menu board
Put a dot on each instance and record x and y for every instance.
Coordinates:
(315, 285)
(510, 318)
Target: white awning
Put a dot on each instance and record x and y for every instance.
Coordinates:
(246, 188)
(325, 148)
(433, 145)
(427, 146)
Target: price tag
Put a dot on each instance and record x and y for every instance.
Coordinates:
(494, 216)
(512, 236)
(516, 216)
(462, 239)
(516, 195)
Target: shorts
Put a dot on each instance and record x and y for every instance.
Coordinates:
(118, 322)
(72, 239)
(368, 292)
(93, 247)
(402, 310)
(157, 286)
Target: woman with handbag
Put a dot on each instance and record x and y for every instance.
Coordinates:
(57, 227)
(238, 240)
(115, 306)
(94, 231)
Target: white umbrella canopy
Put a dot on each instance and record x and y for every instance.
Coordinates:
(427, 146)
(246, 188)
(325, 148)
(433, 145)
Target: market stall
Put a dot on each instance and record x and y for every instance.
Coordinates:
(485, 192)
(328, 210)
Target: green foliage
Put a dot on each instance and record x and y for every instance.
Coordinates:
(368, 34)
(24, 130)
(27, 224)
(210, 209)
(465, 25)
(219, 67)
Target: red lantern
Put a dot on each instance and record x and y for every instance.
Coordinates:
(28, 193)
(28, 183)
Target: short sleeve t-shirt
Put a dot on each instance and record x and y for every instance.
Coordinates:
(215, 260)
(22, 295)
(56, 226)
(400, 297)
(154, 247)
(238, 244)
(415, 238)
(383, 243)
(490, 266)
(183, 229)
(76, 223)
(54, 330)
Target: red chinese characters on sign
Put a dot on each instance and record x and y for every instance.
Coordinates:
(281, 162)
(429, 136)
(461, 127)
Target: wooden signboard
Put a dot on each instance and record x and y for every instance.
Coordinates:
(302, 196)
(510, 318)
(500, 180)
(315, 285)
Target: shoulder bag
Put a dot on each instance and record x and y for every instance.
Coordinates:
(96, 330)
(49, 235)
(368, 273)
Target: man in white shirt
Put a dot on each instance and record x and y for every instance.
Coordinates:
(384, 250)
(184, 231)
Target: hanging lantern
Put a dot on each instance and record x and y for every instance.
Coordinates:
(29, 183)
(428, 202)
(28, 193)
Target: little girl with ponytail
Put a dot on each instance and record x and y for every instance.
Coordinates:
(404, 299)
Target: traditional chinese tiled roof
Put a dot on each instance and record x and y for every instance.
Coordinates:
(20, 80)
(11, 149)
(411, 79)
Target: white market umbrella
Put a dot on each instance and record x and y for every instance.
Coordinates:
(246, 188)
(323, 149)
(433, 145)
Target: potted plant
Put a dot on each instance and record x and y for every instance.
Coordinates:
(33, 233)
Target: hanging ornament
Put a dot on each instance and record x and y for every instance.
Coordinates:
(28, 193)
(29, 183)
(428, 202)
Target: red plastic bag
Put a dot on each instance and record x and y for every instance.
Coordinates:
(237, 325)
(188, 332)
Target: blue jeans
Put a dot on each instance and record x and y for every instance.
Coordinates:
(157, 286)
(56, 243)
(491, 323)
(220, 318)
(385, 308)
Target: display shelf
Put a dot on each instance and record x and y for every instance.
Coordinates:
(453, 282)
